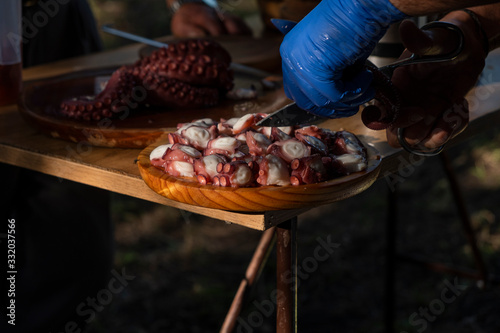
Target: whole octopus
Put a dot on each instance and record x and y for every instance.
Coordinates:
(237, 153)
(190, 73)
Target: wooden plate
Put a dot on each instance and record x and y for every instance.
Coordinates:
(257, 199)
(137, 128)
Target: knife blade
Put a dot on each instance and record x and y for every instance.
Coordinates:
(127, 35)
(290, 115)
(284, 26)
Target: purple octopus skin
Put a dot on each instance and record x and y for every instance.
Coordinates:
(188, 74)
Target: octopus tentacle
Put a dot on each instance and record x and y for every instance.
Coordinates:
(190, 73)
(235, 174)
(308, 170)
(207, 166)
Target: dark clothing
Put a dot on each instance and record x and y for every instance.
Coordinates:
(64, 248)
(64, 235)
(57, 29)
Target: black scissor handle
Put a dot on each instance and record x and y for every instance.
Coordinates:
(418, 59)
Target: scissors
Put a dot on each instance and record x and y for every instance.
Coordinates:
(291, 114)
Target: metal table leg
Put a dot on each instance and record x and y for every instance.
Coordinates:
(286, 256)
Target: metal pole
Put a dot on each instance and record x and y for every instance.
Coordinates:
(286, 256)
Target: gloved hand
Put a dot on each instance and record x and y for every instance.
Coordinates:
(336, 35)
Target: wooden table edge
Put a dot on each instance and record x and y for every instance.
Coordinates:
(130, 185)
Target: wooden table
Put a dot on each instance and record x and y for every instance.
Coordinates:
(114, 169)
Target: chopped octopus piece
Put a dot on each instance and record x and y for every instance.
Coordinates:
(350, 163)
(308, 170)
(257, 143)
(312, 130)
(204, 122)
(156, 156)
(234, 174)
(347, 143)
(289, 149)
(316, 144)
(273, 171)
(206, 167)
(280, 133)
(224, 145)
(248, 121)
(198, 136)
(180, 152)
(179, 169)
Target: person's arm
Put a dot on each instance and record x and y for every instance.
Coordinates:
(489, 17)
(433, 107)
(488, 12)
(427, 7)
(195, 18)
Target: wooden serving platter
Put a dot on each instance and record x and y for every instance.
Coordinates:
(139, 127)
(257, 199)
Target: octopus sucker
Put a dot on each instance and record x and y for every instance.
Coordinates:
(187, 74)
(236, 153)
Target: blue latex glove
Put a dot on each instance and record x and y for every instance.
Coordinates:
(335, 35)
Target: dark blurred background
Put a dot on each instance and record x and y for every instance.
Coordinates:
(151, 18)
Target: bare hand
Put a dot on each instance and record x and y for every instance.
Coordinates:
(433, 107)
(200, 20)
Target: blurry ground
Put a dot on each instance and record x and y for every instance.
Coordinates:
(187, 267)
